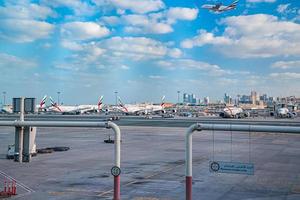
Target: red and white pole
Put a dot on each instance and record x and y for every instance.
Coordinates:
(14, 187)
(189, 160)
(188, 189)
(4, 184)
(117, 192)
(117, 185)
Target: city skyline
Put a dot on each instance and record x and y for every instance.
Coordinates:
(182, 97)
(147, 49)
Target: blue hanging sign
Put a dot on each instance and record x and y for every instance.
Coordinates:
(231, 167)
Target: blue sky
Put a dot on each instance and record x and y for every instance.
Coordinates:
(145, 49)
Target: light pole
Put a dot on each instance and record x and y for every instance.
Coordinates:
(58, 95)
(178, 92)
(116, 94)
(4, 97)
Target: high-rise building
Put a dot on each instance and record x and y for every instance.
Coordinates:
(227, 99)
(189, 98)
(206, 100)
(254, 97)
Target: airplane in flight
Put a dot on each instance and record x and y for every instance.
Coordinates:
(234, 112)
(219, 7)
(78, 109)
(141, 109)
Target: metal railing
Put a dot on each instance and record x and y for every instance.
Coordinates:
(222, 127)
(21, 124)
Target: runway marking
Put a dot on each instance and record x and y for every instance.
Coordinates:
(136, 181)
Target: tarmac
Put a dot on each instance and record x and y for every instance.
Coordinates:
(155, 120)
(152, 164)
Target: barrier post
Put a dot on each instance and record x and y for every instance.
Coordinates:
(116, 171)
(189, 160)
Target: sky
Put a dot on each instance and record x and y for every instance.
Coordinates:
(144, 49)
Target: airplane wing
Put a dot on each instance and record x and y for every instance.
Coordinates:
(231, 6)
(235, 2)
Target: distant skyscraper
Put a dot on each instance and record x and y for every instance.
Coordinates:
(206, 100)
(227, 99)
(189, 98)
(254, 97)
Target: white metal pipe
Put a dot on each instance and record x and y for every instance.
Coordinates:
(18, 123)
(117, 132)
(222, 127)
(229, 127)
(251, 128)
(111, 125)
(188, 146)
(22, 106)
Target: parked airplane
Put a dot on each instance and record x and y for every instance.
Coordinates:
(78, 109)
(7, 109)
(218, 8)
(283, 112)
(141, 109)
(234, 112)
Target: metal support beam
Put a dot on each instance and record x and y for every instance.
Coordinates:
(113, 126)
(21, 131)
(222, 127)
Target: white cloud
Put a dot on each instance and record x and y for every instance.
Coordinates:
(125, 67)
(205, 38)
(265, 36)
(84, 30)
(144, 24)
(285, 75)
(153, 23)
(135, 47)
(261, 1)
(18, 30)
(282, 8)
(189, 64)
(227, 81)
(74, 46)
(8, 61)
(136, 6)
(156, 77)
(79, 8)
(25, 11)
(24, 22)
(175, 53)
(179, 13)
(84, 55)
(114, 52)
(286, 64)
(111, 20)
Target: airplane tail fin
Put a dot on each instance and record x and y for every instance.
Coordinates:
(43, 101)
(122, 104)
(163, 101)
(54, 104)
(100, 103)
